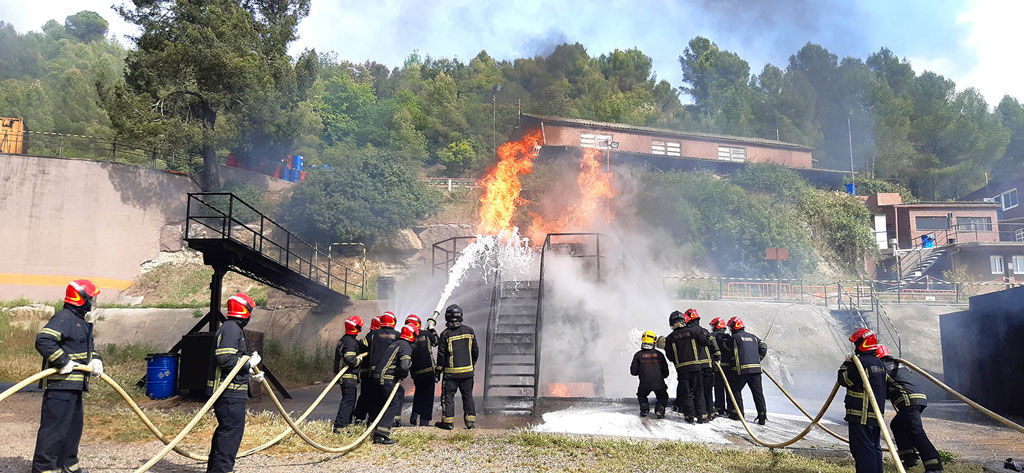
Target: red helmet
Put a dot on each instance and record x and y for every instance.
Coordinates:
(353, 325)
(882, 351)
(690, 315)
(736, 323)
(80, 291)
(414, 319)
(375, 323)
(718, 323)
(388, 319)
(865, 340)
(409, 333)
(240, 306)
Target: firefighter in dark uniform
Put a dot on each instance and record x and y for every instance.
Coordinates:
(907, 429)
(747, 353)
(690, 349)
(652, 368)
(422, 373)
(230, 407)
(391, 370)
(65, 342)
(367, 390)
(708, 382)
(382, 339)
(723, 340)
(346, 355)
(864, 428)
(457, 352)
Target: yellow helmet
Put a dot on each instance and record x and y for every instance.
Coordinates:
(648, 338)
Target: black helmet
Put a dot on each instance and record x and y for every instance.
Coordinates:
(453, 314)
(675, 317)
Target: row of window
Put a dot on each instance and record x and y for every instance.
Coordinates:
(963, 224)
(663, 148)
(996, 263)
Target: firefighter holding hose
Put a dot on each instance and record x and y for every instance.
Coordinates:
(457, 352)
(392, 369)
(346, 355)
(230, 407)
(690, 349)
(747, 352)
(65, 342)
(723, 340)
(907, 429)
(864, 427)
(422, 373)
(382, 338)
(367, 391)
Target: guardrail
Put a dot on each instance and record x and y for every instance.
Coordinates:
(451, 182)
(94, 148)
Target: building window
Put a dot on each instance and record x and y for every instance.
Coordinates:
(996, 263)
(1018, 264)
(1009, 199)
(726, 153)
(1019, 234)
(590, 140)
(974, 224)
(932, 223)
(666, 148)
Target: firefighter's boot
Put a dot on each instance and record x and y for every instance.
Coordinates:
(444, 425)
(382, 440)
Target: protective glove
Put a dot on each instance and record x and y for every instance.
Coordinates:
(660, 343)
(715, 357)
(257, 377)
(437, 374)
(255, 359)
(97, 367)
(69, 367)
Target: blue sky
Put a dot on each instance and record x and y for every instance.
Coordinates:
(975, 43)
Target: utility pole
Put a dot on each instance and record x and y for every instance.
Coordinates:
(849, 134)
(494, 119)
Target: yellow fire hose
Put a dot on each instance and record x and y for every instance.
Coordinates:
(870, 395)
(199, 415)
(798, 406)
(965, 399)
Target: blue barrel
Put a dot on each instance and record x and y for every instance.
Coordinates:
(161, 375)
(297, 162)
(293, 175)
(851, 188)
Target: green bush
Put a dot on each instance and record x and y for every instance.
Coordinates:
(358, 200)
(868, 186)
(842, 225)
(772, 179)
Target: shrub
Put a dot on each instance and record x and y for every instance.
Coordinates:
(842, 225)
(770, 179)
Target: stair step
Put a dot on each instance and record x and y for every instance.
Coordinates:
(519, 386)
(511, 364)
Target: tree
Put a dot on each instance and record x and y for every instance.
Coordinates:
(86, 25)
(195, 59)
(457, 157)
(358, 200)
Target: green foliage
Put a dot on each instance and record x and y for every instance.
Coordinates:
(357, 200)
(251, 196)
(869, 186)
(86, 26)
(457, 157)
(842, 226)
(771, 179)
(293, 366)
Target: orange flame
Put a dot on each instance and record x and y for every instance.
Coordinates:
(501, 198)
(596, 192)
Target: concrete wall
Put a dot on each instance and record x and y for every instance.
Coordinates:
(65, 219)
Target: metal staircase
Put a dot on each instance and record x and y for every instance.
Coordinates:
(916, 263)
(512, 360)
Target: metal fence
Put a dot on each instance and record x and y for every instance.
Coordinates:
(94, 148)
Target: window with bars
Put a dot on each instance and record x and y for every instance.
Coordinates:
(591, 140)
(666, 148)
(727, 153)
(996, 264)
(974, 224)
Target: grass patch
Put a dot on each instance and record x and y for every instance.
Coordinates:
(293, 366)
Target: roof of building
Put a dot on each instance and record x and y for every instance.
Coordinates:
(666, 131)
(957, 203)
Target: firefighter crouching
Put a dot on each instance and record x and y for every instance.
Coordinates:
(457, 352)
(392, 369)
(230, 406)
(864, 428)
(747, 353)
(368, 390)
(422, 373)
(65, 342)
(346, 355)
(650, 365)
(689, 349)
(907, 429)
(723, 340)
(382, 339)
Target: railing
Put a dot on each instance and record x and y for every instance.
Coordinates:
(94, 148)
(970, 233)
(222, 215)
(450, 183)
(576, 251)
(457, 244)
(492, 317)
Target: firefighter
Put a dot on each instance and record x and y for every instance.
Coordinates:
(689, 348)
(907, 430)
(367, 391)
(382, 339)
(864, 428)
(722, 339)
(65, 342)
(650, 365)
(230, 407)
(708, 382)
(391, 370)
(747, 352)
(457, 352)
(422, 373)
(346, 355)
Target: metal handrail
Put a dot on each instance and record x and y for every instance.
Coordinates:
(491, 328)
(290, 254)
(450, 256)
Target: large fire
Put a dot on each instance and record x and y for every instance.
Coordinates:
(502, 197)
